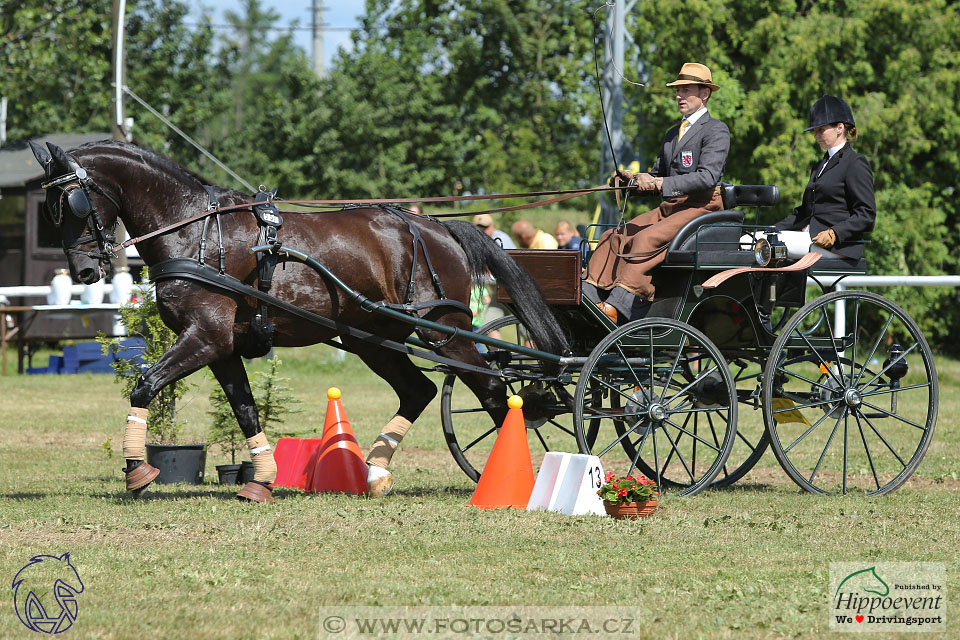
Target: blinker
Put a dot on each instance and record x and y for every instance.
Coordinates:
(79, 203)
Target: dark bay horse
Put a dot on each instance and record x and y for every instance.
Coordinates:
(370, 249)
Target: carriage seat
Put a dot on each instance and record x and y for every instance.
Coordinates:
(714, 238)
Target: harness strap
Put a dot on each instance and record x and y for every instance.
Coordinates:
(188, 269)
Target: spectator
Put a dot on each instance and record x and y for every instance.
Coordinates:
(529, 237)
(484, 222)
(567, 236)
(415, 208)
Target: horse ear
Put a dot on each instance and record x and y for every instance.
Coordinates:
(40, 154)
(61, 156)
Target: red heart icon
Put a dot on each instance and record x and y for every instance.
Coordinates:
(859, 618)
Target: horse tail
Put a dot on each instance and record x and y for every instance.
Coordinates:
(483, 254)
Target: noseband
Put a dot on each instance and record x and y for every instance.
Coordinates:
(75, 188)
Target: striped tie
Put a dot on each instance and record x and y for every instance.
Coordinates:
(683, 129)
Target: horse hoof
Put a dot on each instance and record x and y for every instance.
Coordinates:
(255, 492)
(139, 477)
(379, 481)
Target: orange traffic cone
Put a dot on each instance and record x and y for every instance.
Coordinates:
(340, 466)
(507, 479)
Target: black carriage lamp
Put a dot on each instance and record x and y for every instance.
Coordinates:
(770, 251)
(896, 368)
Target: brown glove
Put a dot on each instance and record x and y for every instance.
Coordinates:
(826, 238)
(620, 178)
(646, 182)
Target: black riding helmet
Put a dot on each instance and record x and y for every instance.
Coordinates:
(829, 109)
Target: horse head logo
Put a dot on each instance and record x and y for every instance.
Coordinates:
(867, 580)
(45, 593)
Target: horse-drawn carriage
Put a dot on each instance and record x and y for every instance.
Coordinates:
(848, 406)
(845, 386)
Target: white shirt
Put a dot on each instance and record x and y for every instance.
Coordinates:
(832, 151)
(693, 117)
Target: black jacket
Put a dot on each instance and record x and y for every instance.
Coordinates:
(841, 198)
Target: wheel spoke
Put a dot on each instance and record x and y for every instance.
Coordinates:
(884, 440)
(833, 342)
(700, 376)
(542, 441)
(866, 448)
(894, 415)
(876, 345)
(807, 432)
(561, 427)
(692, 435)
(893, 362)
(829, 370)
(888, 389)
(818, 403)
(485, 434)
(794, 374)
(626, 433)
(846, 417)
(826, 446)
(676, 361)
(673, 447)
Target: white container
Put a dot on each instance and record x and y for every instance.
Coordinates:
(60, 287)
(92, 293)
(122, 286)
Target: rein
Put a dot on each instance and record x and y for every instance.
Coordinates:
(562, 194)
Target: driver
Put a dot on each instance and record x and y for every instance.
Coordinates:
(687, 172)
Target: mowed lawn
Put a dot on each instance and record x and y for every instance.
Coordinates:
(192, 562)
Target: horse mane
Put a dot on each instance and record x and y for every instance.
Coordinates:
(152, 156)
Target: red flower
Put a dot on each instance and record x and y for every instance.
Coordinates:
(622, 493)
(609, 475)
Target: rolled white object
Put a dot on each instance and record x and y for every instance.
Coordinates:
(60, 288)
(122, 286)
(92, 293)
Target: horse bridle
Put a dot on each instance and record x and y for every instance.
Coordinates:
(75, 188)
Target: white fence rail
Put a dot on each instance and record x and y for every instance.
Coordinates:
(840, 313)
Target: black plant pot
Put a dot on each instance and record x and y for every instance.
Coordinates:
(228, 473)
(246, 472)
(178, 462)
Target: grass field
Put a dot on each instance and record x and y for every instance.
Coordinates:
(192, 562)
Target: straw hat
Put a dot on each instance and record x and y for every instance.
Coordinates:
(694, 73)
(482, 220)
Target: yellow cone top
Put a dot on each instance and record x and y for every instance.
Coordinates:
(515, 402)
(333, 393)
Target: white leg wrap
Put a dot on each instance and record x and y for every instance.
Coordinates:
(379, 481)
(135, 434)
(387, 442)
(264, 466)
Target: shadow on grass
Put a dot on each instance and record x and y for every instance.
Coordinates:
(748, 487)
(432, 492)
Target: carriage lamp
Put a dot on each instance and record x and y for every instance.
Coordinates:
(770, 251)
(895, 372)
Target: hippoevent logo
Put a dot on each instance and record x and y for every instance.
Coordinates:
(887, 596)
(45, 594)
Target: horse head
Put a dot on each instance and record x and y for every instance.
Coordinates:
(85, 213)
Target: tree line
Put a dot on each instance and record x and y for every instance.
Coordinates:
(438, 96)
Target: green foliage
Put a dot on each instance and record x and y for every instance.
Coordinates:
(438, 97)
(142, 319)
(273, 398)
(617, 489)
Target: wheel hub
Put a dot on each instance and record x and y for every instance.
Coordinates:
(853, 398)
(657, 412)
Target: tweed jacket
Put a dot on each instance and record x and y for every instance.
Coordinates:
(840, 198)
(694, 164)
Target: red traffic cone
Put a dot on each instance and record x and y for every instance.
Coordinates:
(507, 479)
(340, 466)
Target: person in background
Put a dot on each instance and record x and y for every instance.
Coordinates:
(838, 205)
(487, 308)
(529, 237)
(484, 222)
(619, 277)
(567, 236)
(417, 209)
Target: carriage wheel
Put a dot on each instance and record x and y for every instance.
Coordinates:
(661, 392)
(467, 427)
(855, 413)
(751, 440)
